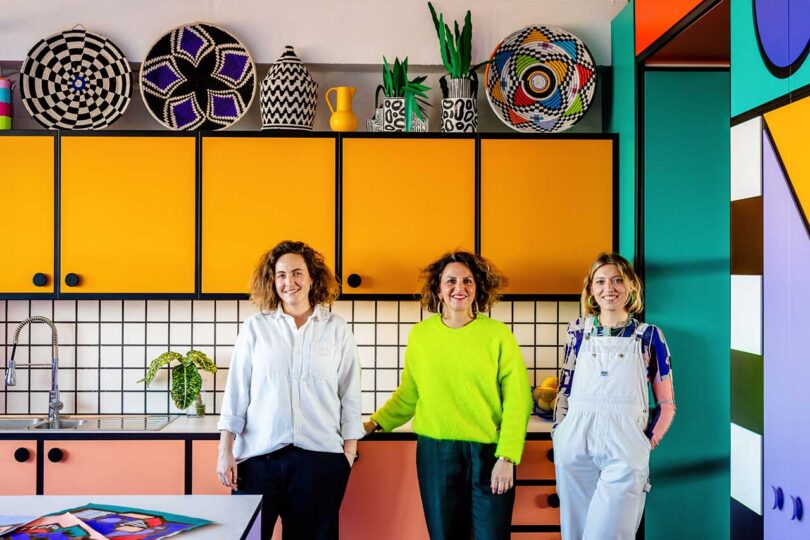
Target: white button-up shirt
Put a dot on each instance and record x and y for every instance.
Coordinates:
(289, 385)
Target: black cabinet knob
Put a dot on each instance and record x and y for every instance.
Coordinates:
(550, 455)
(21, 455)
(40, 279)
(554, 500)
(354, 280)
(55, 455)
(71, 280)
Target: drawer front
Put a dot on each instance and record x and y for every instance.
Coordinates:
(127, 467)
(532, 506)
(536, 463)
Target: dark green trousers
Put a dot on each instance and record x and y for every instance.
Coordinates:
(454, 481)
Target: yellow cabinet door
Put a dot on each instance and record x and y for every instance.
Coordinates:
(128, 214)
(26, 213)
(546, 210)
(405, 203)
(258, 191)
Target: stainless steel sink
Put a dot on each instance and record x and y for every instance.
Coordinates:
(129, 422)
(61, 423)
(18, 423)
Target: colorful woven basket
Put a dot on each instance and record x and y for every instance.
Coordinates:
(5, 103)
(540, 79)
(75, 80)
(198, 76)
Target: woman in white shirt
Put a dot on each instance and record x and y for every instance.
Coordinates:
(290, 415)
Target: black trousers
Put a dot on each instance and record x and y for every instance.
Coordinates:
(454, 482)
(304, 487)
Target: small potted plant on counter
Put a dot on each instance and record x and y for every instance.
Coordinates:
(403, 101)
(460, 93)
(186, 378)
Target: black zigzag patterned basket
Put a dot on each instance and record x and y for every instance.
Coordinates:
(289, 94)
(75, 80)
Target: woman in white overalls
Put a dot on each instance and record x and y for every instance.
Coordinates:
(604, 426)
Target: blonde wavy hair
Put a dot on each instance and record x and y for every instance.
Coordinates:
(488, 281)
(635, 297)
(325, 288)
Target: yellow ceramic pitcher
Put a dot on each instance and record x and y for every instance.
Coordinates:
(342, 119)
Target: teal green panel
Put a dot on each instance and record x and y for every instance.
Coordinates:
(622, 120)
(751, 83)
(747, 402)
(686, 239)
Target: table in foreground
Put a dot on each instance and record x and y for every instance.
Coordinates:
(233, 518)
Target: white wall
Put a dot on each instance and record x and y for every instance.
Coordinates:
(322, 31)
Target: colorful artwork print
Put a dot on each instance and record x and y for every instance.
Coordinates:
(198, 77)
(540, 79)
(134, 524)
(8, 523)
(75, 80)
(55, 527)
(103, 522)
(783, 34)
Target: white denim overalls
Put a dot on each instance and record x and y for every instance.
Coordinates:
(601, 452)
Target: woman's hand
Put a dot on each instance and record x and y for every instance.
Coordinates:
(503, 477)
(226, 469)
(370, 426)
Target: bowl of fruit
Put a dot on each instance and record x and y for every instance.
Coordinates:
(545, 397)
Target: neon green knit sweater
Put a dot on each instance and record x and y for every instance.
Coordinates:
(463, 384)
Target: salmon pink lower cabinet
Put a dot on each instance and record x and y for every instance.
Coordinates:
(204, 479)
(112, 467)
(382, 498)
(18, 467)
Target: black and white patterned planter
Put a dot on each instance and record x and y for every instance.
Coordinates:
(459, 115)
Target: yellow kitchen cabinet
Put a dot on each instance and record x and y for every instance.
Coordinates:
(406, 202)
(128, 214)
(27, 214)
(546, 210)
(258, 191)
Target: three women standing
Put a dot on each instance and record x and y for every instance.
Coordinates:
(466, 388)
(291, 410)
(604, 428)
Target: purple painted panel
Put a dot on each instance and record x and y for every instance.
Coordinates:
(787, 363)
(783, 33)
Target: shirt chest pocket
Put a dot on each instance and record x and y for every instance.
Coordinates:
(323, 360)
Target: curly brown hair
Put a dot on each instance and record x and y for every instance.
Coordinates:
(325, 287)
(488, 281)
(635, 297)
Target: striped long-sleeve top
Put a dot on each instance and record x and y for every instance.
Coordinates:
(655, 354)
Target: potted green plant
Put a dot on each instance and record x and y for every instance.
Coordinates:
(185, 376)
(404, 99)
(460, 93)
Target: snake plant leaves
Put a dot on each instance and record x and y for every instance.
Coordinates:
(186, 385)
(202, 361)
(158, 363)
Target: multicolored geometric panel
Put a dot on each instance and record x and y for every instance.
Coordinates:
(783, 34)
(198, 77)
(540, 79)
(75, 80)
(788, 127)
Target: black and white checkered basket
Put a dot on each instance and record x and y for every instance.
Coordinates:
(75, 80)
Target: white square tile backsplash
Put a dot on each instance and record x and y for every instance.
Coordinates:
(105, 346)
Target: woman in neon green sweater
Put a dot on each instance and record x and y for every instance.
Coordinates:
(465, 386)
